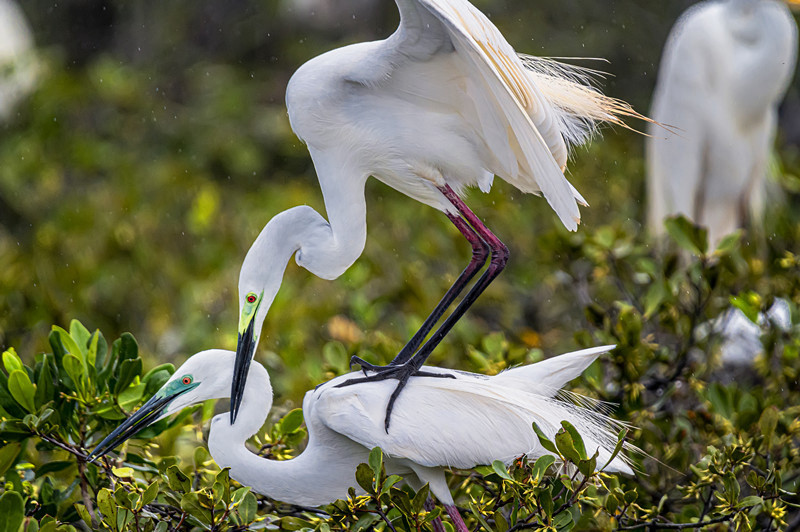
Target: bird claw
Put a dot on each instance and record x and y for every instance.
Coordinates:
(401, 372)
(365, 366)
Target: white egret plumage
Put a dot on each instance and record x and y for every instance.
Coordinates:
(443, 104)
(724, 71)
(18, 64)
(463, 422)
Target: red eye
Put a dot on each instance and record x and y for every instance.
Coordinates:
(186, 380)
(251, 298)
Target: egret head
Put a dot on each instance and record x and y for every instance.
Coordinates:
(206, 375)
(252, 311)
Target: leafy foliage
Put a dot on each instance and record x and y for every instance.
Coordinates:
(130, 190)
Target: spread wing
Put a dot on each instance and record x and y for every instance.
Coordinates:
(517, 124)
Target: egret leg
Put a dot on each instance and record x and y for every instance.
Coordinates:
(458, 522)
(404, 371)
(480, 252)
(437, 523)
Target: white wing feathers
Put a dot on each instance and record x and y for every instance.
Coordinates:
(550, 375)
(510, 91)
(468, 421)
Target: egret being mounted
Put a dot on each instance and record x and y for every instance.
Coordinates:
(443, 104)
(725, 68)
(462, 422)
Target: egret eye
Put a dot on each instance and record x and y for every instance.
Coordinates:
(186, 380)
(251, 298)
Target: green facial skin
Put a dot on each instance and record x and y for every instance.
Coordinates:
(175, 388)
(249, 311)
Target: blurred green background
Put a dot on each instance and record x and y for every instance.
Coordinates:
(156, 146)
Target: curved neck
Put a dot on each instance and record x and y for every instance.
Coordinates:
(321, 474)
(265, 263)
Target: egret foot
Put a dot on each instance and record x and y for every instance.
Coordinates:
(401, 372)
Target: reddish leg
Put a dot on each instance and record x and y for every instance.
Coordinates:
(480, 252)
(458, 522)
(403, 368)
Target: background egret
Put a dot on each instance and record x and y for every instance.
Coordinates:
(725, 68)
(18, 65)
(443, 104)
(460, 423)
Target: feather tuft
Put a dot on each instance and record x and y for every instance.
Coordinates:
(580, 107)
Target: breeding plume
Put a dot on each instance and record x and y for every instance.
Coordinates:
(461, 422)
(725, 68)
(441, 105)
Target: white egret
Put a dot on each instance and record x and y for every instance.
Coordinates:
(441, 105)
(741, 338)
(460, 423)
(18, 64)
(725, 68)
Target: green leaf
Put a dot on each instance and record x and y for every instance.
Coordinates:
(729, 243)
(11, 361)
(190, 503)
(80, 334)
(107, 506)
(546, 500)
(577, 440)
(544, 440)
(222, 487)
(45, 391)
(501, 470)
(563, 521)
(247, 508)
(129, 370)
(541, 466)
(84, 514)
(419, 499)
(292, 421)
(22, 390)
(68, 343)
(566, 446)
(53, 467)
(74, 368)
(752, 500)
(177, 480)
(365, 477)
(687, 235)
(128, 348)
(623, 433)
(8, 455)
(376, 461)
(749, 303)
(767, 423)
(12, 510)
(150, 494)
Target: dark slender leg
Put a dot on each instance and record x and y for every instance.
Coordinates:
(480, 252)
(497, 264)
(437, 523)
(404, 370)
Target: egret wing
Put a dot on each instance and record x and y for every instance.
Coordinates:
(519, 125)
(550, 375)
(462, 422)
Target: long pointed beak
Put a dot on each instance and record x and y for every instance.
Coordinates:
(245, 350)
(148, 414)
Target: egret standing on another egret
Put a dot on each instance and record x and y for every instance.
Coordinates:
(463, 422)
(443, 104)
(725, 68)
